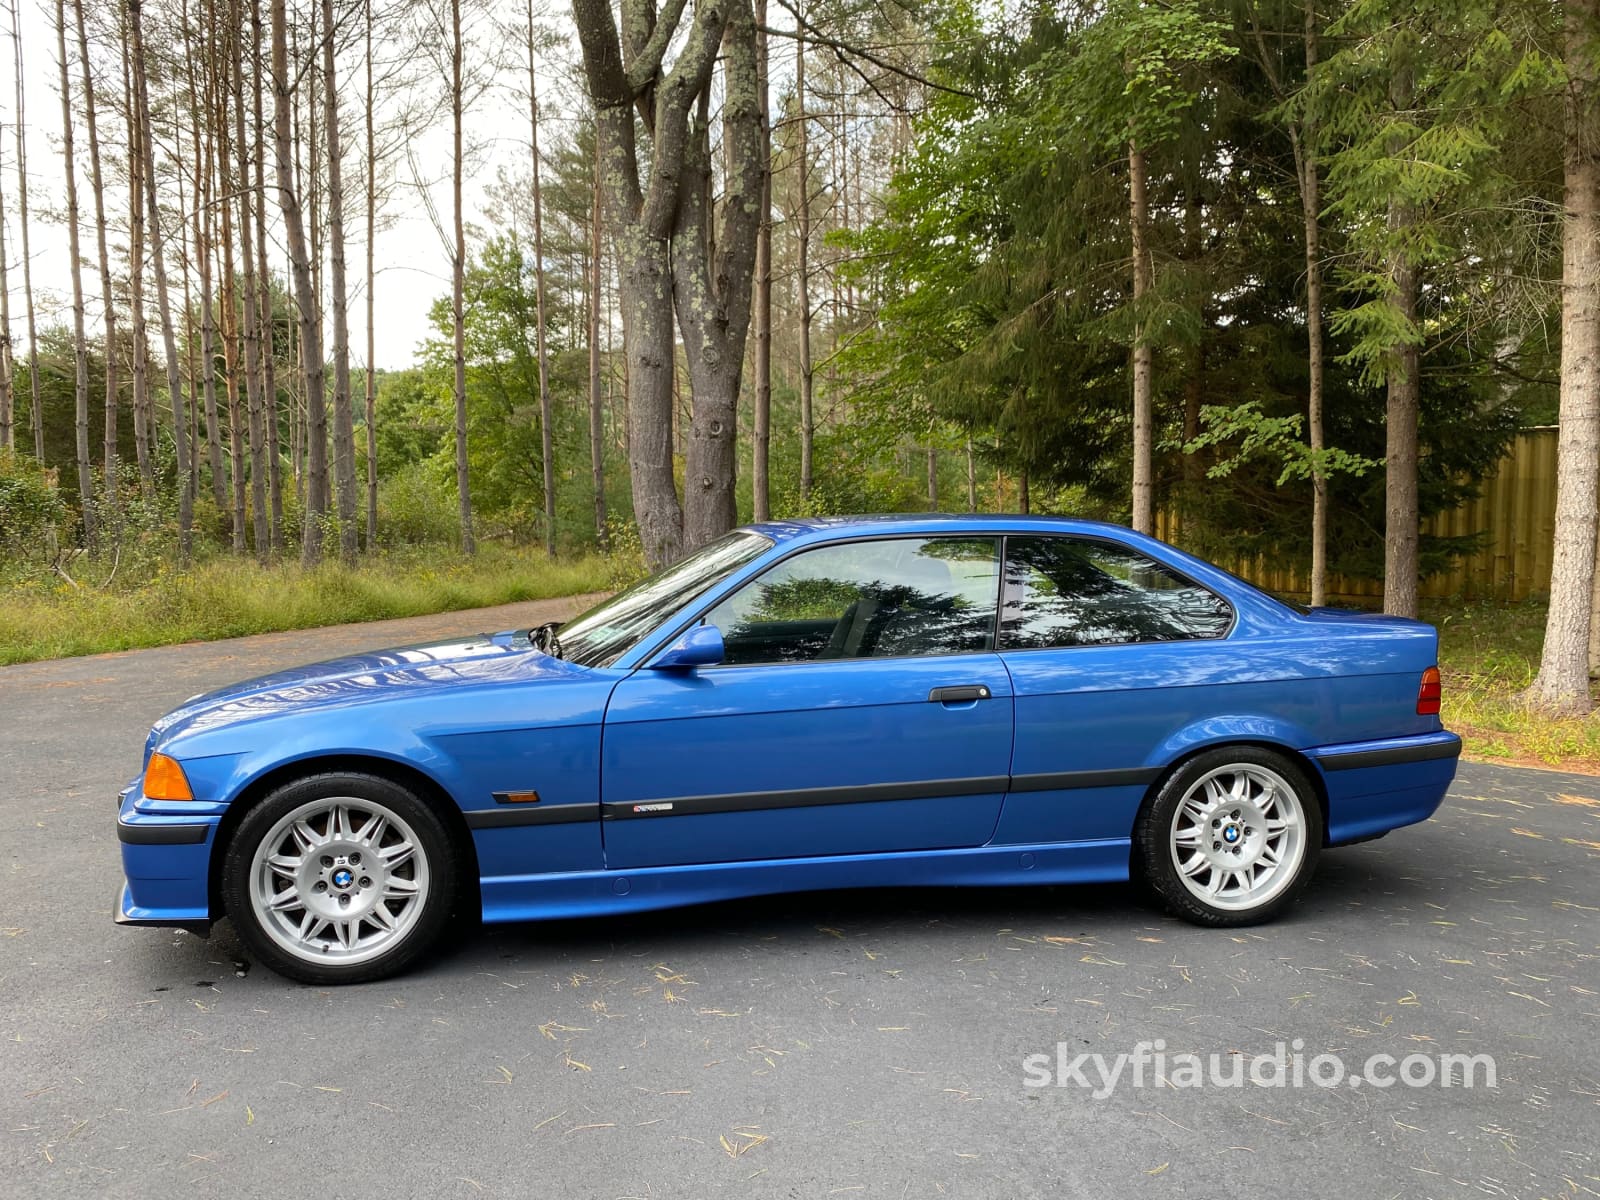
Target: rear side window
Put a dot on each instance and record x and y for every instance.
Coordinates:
(1062, 591)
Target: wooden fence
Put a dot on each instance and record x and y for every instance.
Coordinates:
(1516, 508)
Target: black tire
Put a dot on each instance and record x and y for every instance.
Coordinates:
(1229, 849)
(418, 922)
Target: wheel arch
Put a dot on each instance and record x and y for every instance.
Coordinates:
(429, 790)
(1319, 785)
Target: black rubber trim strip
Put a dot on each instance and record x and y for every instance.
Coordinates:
(1065, 780)
(1354, 759)
(685, 806)
(162, 835)
(531, 814)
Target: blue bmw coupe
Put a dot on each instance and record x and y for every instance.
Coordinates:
(855, 702)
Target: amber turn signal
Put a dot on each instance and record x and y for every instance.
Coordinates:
(1428, 694)
(164, 780)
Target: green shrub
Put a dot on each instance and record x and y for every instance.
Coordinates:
(31, 508)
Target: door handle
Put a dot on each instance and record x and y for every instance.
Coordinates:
(954, 695)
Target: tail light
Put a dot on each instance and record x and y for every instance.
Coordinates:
(1428, 693)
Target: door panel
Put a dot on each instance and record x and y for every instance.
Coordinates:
(1111, 654)
(804, 759)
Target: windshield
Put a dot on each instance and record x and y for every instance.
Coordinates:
(600, 636)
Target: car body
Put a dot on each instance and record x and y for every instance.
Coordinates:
(812, 704)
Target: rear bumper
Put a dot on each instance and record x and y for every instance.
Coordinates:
(166, 861)
(1377, 786)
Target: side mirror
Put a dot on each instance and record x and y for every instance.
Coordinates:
(699, 647)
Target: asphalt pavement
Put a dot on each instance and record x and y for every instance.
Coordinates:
(854, 1044)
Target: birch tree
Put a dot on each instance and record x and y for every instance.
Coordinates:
(1562, 684)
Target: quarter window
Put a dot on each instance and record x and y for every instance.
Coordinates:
(900, 597)
(1064, 591)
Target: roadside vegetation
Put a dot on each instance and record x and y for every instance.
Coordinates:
(227, 597)
(1488, 655)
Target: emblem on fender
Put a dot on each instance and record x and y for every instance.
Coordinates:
(665, 806)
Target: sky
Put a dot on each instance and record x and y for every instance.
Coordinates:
(413, 268)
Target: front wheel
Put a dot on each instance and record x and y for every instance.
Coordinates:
(339, 878)
(1232, 837)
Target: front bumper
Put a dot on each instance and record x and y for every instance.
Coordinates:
(126, 912)
(166, 861)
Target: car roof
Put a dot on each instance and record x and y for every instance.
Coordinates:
(889, 523)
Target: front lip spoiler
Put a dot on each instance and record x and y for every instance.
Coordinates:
(198, 927)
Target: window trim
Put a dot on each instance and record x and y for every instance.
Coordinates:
(999, 629)
(997, 536)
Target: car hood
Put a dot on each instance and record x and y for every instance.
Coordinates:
(380, 675)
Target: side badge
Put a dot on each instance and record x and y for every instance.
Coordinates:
(664, 806)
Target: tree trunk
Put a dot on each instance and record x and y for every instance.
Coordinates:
(933, 479)
(36, 410)
(231, 348)
(191, 368)
(803, 279)
(972, 479)
(169, 342)
(8, 435)
(546, 434)
(712, 291)
(269, 380)
(248, 215)
(1194, 467)
(761, 439)
(344, 431)
(1594, 613)
(1562, 685)
(1143, 358)
(109, 465)
(643, 218)
(305, 297)
(136, 258)
(458, 270)
(1311, 207)
(80, 346)
(372, 231)
(597, 450)
(203, 218)
(1403, 405)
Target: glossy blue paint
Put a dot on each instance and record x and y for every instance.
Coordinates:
(597, 893)
(848, 723)
(698, 647)
(757, 761)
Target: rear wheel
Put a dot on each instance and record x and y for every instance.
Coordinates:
(1232, 837)
(339, 878)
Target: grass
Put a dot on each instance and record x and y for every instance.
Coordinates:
(1489, 653)
(227, 597)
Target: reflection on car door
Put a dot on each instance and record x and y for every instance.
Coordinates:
(1109, 653)
(861, 708)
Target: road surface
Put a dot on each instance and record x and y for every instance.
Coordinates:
(854, 1045)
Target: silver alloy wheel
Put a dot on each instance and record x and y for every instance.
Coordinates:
(339, 880)
(1238, 836)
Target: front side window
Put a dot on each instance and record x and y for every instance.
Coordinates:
(600, 636)
(1063, 591)
(893, 598)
